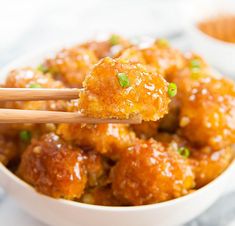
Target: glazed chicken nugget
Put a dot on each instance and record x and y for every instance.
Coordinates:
(101, 196)
(71, 65)
(54, 168)
(194, 71)
(207, 113)
(32, 78)
(116, 88)
(97, 169)
(107, 139)
(150, 173)
(208, 164)
(28, 77)
(109, 47)
(163, 57)
(146, 130)
(132, 54)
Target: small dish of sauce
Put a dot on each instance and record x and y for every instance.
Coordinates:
(221, 27)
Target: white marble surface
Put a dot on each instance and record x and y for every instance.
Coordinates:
(29, 25)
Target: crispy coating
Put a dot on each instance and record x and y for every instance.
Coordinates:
(206, 104)
(27, 76)
(132, 54)
(190, 74)
(54, 168)
(208, 110)
(107, 139)
(146, 130)
(71, 65)
(107, 47)
(101, 196)
(97, 169)
(163, 57)
(145, 96)
(100, 48)
(150, 173)
(208, 164)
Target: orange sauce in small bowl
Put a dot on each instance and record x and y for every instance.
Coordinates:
(220, 27)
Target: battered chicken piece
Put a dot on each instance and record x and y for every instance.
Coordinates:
(208, 164)
(71, 65)
(207, 113)
(150, 173)
(194, 71)
(31, 78)
(146, 130)
(101, 196)
(163, 57)
(107, 139)
(118, 89)
(97, 169)
(107, 47)
(132, 54)
(54, 168)
(206, 103)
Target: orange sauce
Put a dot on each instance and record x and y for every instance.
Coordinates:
(221, 27)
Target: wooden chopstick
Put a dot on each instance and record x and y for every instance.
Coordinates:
(14, 94)
(35, 116)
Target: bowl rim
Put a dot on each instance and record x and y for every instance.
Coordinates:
(17, 62)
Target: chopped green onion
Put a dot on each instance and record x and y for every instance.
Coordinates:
(195, 64)
(162, 42)
(172, 89)
(114, 40)
(42, 68)
(25, 135)
(123, 80)
(185, 152)
(35, 85)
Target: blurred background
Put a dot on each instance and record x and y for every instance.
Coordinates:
(28, 26)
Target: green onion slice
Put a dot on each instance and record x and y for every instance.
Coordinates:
(123, 80)
(42, 68)
(172, 89)
(114, 40)
(35, 85)
(185, 152)
(195, 63)
(25, 135)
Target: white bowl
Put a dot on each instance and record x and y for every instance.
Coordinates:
(61, 212)
(218, 53)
